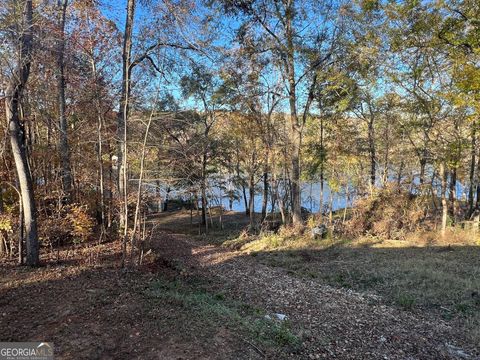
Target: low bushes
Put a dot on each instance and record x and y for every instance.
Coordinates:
(71, 224)
(390, 213)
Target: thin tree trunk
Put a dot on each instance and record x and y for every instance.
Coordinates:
(140, 182)
(3, 233)
(273, 191)
(477, 201)
(399, 175)
(251, 199)
(281, 207)
(453, 193)
(166, 200)
(423, 163)
(220, 216)
(386, 159)
(443, 177)
(330, 208)
(100, 122)
(122, 126)
(21, 233)
(111, 187)
(265, 191)
(473, 152)
(372, 151)
(296, 131)
(347, 199)
(210, 215)
(204, 192)
(244, 191)
(191, 209)
(122, 117)
(63, 147)
(322, 165)
(13, 96)
(157, 191)
(245, 200)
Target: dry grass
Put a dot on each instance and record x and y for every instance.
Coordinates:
(422, 272)
(185, 222)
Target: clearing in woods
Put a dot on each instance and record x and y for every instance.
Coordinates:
(194, 299)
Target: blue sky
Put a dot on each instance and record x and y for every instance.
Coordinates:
(116, 10)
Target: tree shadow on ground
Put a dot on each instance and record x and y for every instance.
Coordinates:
(185, 301)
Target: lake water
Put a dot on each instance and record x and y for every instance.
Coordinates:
(310, 197)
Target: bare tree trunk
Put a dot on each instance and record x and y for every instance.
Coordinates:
(13, 96)
(423, 164)
(122, 126)
(443, 177)
(477, 201)
(166, 200)
(347, 199)
(63, 147)
(273, 191)
(191, 209)
(110, 186)
(251, 187)
(276, 198)
(123, 115)
(265, 190)
(204, 192)
(3, 234)
(473, 152)
(210, 215)
(21, 233)
(322, 174)
(399, 175)
(273, 200)
(453, 193)
(386, 158)
(296, 131)
(251, 199)
(245, 200)
(140, 182)
(372, 151)
(220, 216)
(3, 248)
(330, 208)
(281, 207)
(100, 122)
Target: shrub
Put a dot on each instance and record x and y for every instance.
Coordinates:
(6, 222)
(70, 224)
(54, 230)
(81, 223)
(390, 213)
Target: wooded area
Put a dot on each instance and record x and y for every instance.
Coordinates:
(259, 126)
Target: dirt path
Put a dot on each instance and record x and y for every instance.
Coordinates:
(333, 323)
(101, 312)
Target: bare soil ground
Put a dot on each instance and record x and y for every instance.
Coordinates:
(194, 300)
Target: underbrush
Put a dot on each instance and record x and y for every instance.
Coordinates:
(209, 310)
(287, 237)
(389, 213)
(416, 269)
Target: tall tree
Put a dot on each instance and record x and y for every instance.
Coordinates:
(13, 97)
(66, 172)
(299, 45)
(123, 116)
